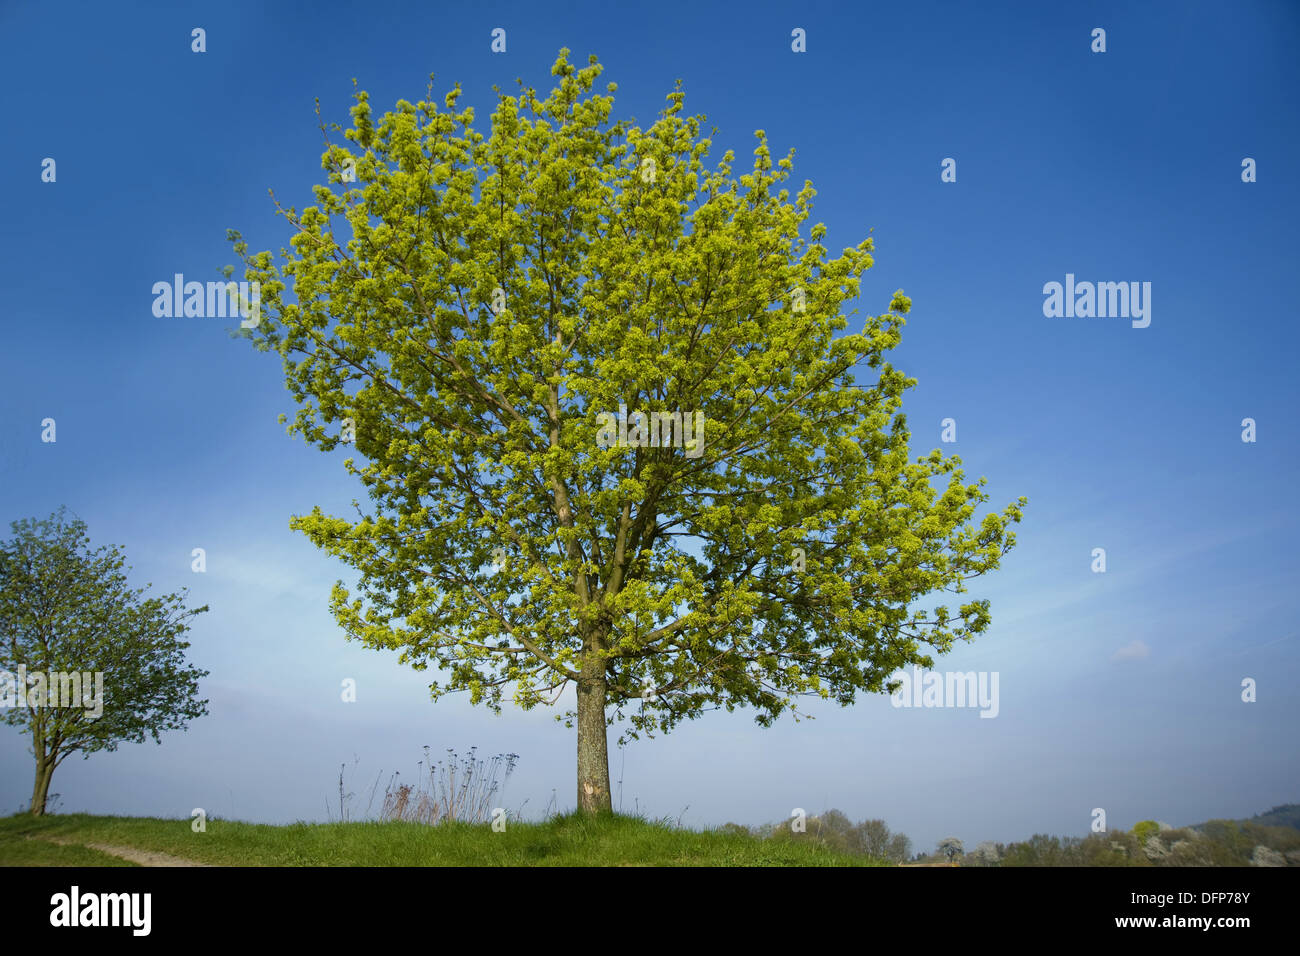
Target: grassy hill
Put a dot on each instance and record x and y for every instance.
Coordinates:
(82, 840)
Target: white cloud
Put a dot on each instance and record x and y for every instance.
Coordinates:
(1132, 652)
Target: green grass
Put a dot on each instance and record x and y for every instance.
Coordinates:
(17, 850)
(571, 840)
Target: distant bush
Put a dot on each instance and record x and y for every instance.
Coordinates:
(835, 831)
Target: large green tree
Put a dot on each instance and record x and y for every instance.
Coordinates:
(88, 662)
(471, 310)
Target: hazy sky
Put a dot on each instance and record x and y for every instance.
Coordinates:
(1119, 690)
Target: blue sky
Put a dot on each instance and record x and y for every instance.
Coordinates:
(1115, 166)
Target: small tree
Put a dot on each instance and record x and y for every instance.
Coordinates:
(873, 838)
(950, 847)
(900, 848)
(86, 662)
(1145, 830)
(832, 828)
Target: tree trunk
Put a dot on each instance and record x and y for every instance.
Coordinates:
(593, 749)
(41, 790)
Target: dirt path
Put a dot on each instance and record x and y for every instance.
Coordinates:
(142, 857)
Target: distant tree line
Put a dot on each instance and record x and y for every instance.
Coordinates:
(1149, 843)
(836, 831)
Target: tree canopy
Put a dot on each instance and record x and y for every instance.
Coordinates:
(471, 311)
